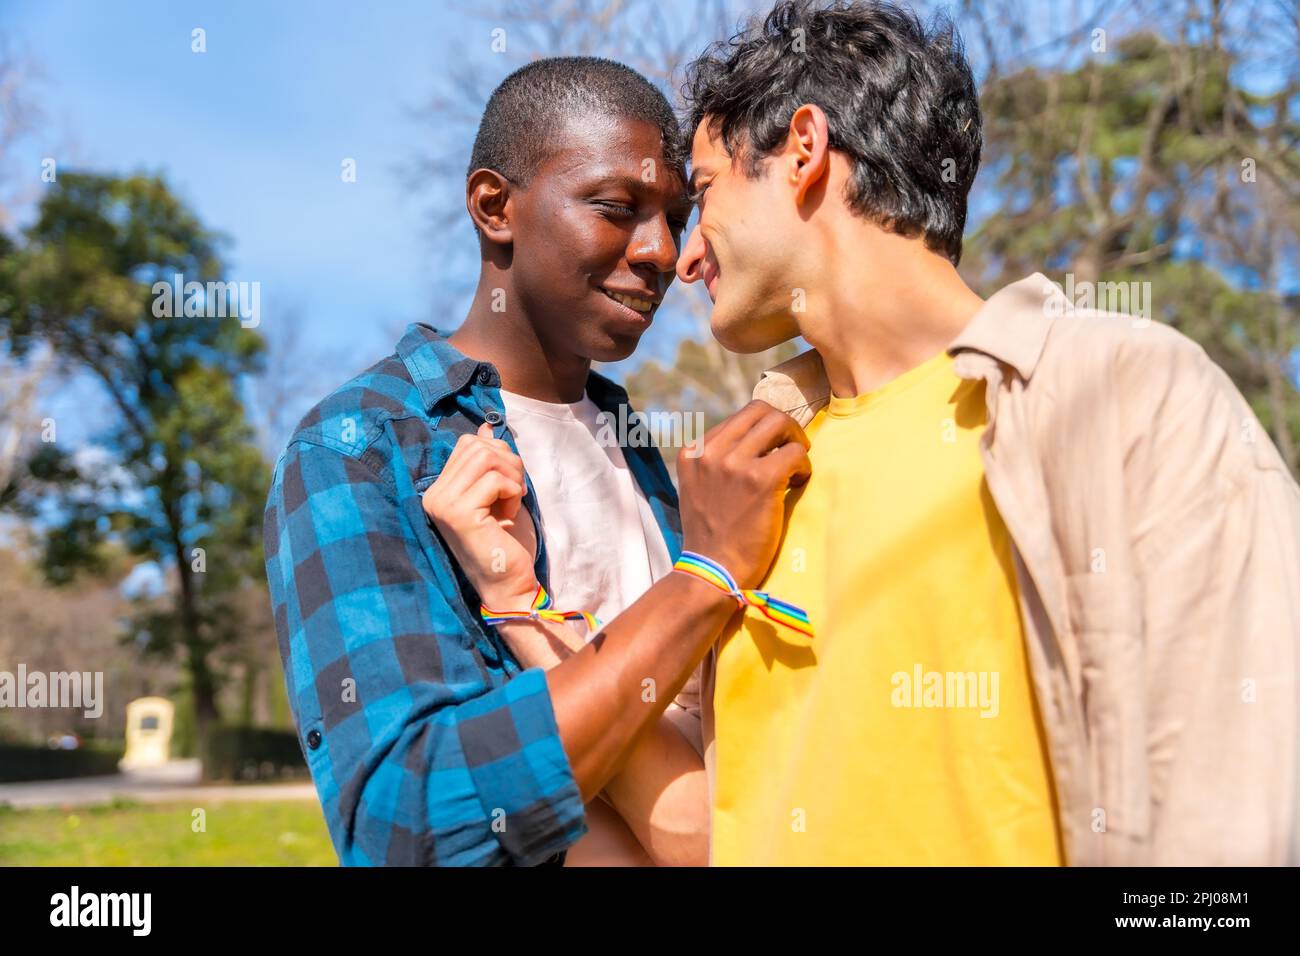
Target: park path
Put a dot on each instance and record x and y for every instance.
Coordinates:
(176, 782)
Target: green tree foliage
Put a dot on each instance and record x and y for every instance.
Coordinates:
(180, 479)
(1152, 162)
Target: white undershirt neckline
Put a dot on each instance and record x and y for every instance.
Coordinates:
(604, 547)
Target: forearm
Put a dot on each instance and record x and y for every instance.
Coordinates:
(541, 644)
(612, 691)
(661, 792)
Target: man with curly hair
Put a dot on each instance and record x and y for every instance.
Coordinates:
(1051, 557)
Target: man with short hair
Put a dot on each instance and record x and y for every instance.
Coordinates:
(416, 565)
(1052, 558)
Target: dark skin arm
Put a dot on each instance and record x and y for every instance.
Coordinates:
(597, 693)
(732, 508)
(660, 791)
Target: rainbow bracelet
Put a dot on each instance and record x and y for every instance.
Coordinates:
(542, 609)
(774, 609)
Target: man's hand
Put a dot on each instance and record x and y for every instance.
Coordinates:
(733, 493)
(476, 506)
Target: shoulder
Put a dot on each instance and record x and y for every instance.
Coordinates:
(1161, 386)
(344, 469)
(352, 418)
(1138, 363)
(1091, 334)
(380, 427)
(378, 424)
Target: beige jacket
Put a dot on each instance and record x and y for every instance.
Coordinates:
(1157, 548)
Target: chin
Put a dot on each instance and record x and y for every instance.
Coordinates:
(747, 337)
(613, 347)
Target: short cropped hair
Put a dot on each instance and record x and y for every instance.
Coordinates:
(899, 98)
(519, 125)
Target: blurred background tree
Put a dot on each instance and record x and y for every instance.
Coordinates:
(1155, 162)
(177, 479)
(19, 383)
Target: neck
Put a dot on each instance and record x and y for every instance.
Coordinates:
(509, 340)
(874, 325)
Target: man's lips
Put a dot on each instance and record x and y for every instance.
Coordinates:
(636, 300)
(637, 307)
(709, 273)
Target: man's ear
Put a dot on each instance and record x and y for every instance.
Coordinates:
(488, 200)
(808, 149)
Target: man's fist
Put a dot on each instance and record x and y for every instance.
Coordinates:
(733, 493)
(476, 506)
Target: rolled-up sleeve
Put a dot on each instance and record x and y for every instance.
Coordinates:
(422, 753)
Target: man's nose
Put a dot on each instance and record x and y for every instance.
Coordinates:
(690, 262)
(653, 245)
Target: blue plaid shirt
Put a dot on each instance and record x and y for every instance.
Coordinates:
(427, 742)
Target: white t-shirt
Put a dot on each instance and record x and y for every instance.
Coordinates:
(604, 548)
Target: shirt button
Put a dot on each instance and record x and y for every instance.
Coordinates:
(485, 377)
(493, 417)
(313, 739)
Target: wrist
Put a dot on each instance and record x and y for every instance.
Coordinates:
(706, 596)
(717, 552)
(711, 573)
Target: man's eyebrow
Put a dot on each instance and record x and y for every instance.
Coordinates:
(632, 183)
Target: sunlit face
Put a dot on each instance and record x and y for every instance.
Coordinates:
(741, 247)
(596, 236)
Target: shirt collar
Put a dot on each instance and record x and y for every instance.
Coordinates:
(1012, 325)
(604, 393)
(439, 369)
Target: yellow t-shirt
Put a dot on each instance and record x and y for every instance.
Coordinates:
(905, 732)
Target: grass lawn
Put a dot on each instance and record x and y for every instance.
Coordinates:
(279, 833)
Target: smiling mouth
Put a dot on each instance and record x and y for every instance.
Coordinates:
(643, 306)
(709, 274)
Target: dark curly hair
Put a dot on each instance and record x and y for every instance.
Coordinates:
(899, 98)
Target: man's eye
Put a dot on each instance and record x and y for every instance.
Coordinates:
(616, 208)
(697, 197)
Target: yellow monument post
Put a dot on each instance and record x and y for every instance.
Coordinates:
(148, 733)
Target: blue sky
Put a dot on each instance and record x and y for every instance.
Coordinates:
(251, 134)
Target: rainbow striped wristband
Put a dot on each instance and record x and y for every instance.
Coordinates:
(774, 609)
(542, 609)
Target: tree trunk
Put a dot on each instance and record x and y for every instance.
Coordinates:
(202, 680)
